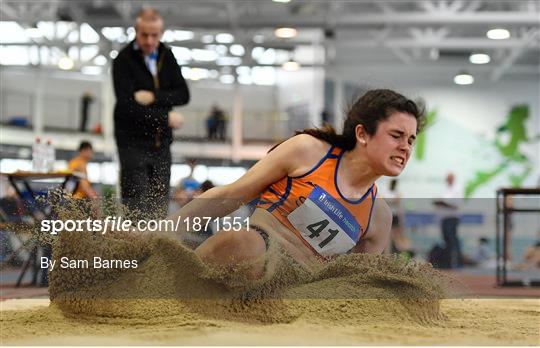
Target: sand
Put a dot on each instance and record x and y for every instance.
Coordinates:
(468, 322)
(173, 298)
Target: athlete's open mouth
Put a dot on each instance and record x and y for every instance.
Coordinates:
(398, 160)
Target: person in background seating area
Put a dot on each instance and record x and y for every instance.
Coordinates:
(78, 165)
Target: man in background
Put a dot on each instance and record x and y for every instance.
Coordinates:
(148, 82)
(448, 207)
(216, 123)
(86, 100)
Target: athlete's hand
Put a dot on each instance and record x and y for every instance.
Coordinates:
(176, 120)
(144, 97)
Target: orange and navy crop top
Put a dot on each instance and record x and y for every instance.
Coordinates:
(313, 208)
(78, 165)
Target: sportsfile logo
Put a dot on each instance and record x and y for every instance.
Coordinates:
(121, 224)
(109, 224)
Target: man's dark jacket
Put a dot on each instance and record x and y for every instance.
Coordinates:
(145, 127)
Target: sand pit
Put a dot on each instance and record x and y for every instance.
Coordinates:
(172, 298)
(468, 322)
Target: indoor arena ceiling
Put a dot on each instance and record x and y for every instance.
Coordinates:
(329, 33)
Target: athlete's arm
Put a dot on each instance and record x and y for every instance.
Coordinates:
(289, 158)
(87, 188)
(378, 234)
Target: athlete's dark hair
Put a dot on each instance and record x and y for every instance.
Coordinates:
(369, 110)
(85, 145)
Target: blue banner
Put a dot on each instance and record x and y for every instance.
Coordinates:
(337, 212)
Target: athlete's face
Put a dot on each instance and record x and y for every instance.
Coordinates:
(87, 154)
(148, 34)
(389, 149)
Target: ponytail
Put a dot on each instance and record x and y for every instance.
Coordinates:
(328, 133)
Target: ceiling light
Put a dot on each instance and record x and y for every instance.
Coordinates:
(44, 55)
(33, 55)
(130, 33)
(88, 34)
(122, 39)
(207, 39)
(91, 70)
(291, 65)
(62, 29)
(268, 57)
(177, 35)
(14, 55)
(282, 1)
(100, 60)
(65, 63)
(73, 53)
(49, 29)
(196, 74)
(228, 61)
(203, 55)
(86, 53)
(12, 32)
(221, 49)
(463, 78)
(498, 34)
(285, 33)
(34, 33)
(112, 33)
(181, 53)
(257, 52)
(259, 38)
(263, 75)
(113, 54)
(243, 70)
(224, 38)
(479, 58)
(73, 37)
(237, 50)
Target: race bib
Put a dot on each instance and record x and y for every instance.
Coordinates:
(325, 224)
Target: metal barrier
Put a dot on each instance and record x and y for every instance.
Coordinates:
(504, 211)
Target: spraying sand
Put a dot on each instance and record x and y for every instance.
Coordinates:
(173, 298)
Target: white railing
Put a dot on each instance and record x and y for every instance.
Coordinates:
(64, 113)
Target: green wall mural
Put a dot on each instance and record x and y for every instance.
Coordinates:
(509, 140)
(420, 145)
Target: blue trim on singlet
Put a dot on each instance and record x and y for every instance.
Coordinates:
(273, 191)
(290, 179)
(337, 187)
(373, 196)
(284, 197)
(327, 155)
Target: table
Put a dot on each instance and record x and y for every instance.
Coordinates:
(26, 185)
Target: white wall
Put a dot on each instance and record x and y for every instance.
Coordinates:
(303, 88)
(462, 138)
(61, 96)
(63, 90)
